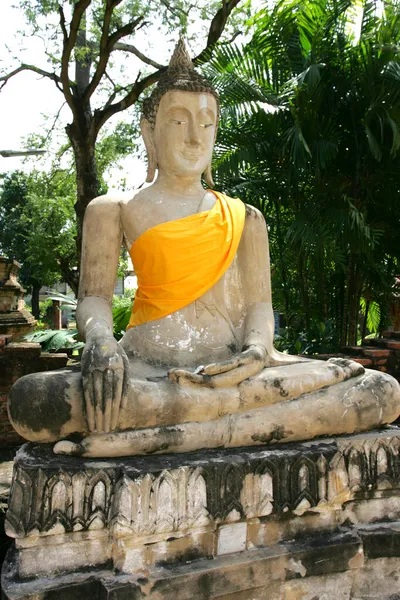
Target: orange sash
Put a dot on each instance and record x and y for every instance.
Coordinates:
(178, 261)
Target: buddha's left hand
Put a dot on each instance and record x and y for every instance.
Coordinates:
(224, 374)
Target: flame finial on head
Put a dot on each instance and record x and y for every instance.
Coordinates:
(180, 60)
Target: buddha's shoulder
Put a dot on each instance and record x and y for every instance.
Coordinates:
(118, 199)
(254, 218)
(137, 198)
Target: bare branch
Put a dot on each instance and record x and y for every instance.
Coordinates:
(136, 52)
(104, 51)
(107, 43)
(50, 131)
(101, 116)
(110, 80)
(123, 31)
(216, 28)
(232, 39)
(37, 70)
(62, 23)
(175, 10)
(69, 43)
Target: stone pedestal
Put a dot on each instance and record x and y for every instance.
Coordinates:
(14, 319)
(297, 521)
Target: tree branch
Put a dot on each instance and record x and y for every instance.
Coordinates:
(216, 28)
(233, 38)
(107, 43)
(104, 53)
(123, 32)
(37, 70)
(175, 10)
(136, 52)
(69, 43)
(50, 131)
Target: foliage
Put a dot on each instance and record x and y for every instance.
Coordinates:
(37, 226)
(121, 311)
(310, 134)
(53, 340)
(96, 40)
(320, 338)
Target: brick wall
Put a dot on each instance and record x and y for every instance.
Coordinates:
(17, 360)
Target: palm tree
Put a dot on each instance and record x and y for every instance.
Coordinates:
(310, 133)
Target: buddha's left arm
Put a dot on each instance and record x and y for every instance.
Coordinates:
(255, 268)
(254, 265)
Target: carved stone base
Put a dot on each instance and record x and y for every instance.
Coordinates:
(238, 524)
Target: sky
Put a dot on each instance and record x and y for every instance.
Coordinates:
(28, 97)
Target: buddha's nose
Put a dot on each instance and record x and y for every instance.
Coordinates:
(193, 137)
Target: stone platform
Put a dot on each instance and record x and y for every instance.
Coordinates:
(317, 520)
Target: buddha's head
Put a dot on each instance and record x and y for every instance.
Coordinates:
(179, 121)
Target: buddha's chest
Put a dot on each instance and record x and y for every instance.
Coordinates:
(207, 330)
(139, 217)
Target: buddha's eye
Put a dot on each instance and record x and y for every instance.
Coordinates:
(177, 122)
(206, 125)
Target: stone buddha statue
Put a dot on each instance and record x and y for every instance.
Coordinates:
(197, 367)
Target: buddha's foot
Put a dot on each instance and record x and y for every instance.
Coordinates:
(67, 447)
(358, 404)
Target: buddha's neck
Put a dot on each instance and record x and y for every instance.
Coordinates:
(179, 186)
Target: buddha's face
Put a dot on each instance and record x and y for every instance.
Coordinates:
(184, 132)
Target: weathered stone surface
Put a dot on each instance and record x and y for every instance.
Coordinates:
(14, 319)
(283, 519)
(331, 567)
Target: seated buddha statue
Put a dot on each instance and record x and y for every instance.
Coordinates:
(197, 367)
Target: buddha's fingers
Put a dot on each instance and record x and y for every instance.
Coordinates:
(124, 381)
(247, 357)
(223, 367)
(117, 397)
(98, 399)
(108, 389)
(236, 376)
(88, 393)
(180, 376)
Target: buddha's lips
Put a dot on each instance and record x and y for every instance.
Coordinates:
(191, 155)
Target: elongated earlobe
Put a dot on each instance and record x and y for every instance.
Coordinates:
(147, 134)
(208, 176)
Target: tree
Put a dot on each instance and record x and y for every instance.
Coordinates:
(88, 35)
(37, 228)
(311, 129)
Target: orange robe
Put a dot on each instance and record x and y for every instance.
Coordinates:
(178, 261)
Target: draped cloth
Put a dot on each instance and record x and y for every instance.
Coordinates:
(178, 261)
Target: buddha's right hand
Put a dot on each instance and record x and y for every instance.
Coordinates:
(105, 368)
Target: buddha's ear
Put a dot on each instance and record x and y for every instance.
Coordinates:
(208, 176)
(148, 138)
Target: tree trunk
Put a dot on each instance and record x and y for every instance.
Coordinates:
(354, 303)
(82, 136)
(303, 289)
(281, 245)
(35, 300)
(324, 295)
(346, 303)
(87, 180)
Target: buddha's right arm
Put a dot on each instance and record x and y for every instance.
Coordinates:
(101, 243)
(104, 363)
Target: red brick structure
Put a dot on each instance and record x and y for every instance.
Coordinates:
(16, 360)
